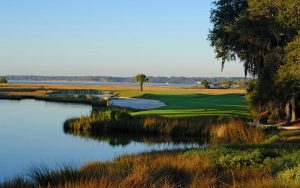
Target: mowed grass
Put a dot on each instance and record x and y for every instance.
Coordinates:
(181, 102)
(186, 105)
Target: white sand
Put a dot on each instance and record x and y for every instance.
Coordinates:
(136, 103)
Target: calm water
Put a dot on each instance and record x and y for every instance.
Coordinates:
(32, 134)
(99, 83)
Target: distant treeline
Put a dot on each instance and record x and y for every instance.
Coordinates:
(171, 80)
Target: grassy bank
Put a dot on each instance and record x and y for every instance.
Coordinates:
(80, 100)
(271, 162)
(122, 122)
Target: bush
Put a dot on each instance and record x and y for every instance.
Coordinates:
(285, 162)
(3, 80)
(241, 158)
(290, 175)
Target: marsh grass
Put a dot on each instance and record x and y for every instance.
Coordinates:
(244, 164)
(235, 132)
(222, 166)
(120, 121)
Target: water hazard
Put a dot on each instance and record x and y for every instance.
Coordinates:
(32, 134)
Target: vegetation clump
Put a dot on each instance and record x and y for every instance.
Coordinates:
(269, 51)
(120, 121)
(3, 80)
(259, 165)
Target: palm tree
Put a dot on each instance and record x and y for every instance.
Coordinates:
(141, 78)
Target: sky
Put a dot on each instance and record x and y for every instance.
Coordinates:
(108, 38)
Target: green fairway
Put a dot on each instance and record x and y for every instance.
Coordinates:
(198, 105)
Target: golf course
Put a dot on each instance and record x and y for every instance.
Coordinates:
(180, 102)
(186, 105)
(237, 150)
(150, 94)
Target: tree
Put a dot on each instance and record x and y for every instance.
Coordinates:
(205, 83)
(286, 12)
(267, 96)
(256, 32)
(3, 80)
(227, 83)
(288, 77)
(223, 17)
(141, 78)
(251, 29)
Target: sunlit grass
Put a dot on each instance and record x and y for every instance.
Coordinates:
(120, 121)
(198, 105)
(181, 102)
(250, 166)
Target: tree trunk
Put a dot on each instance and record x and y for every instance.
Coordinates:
(141, 86)
(257, 117)
(275, 113)
(293, 105)
(287, 112)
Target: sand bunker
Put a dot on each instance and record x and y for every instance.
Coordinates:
(135, 103)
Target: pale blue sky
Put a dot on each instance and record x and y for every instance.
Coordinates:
(108, 37)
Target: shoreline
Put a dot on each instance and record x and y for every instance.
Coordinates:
(56, 99)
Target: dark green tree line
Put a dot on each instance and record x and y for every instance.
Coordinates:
(262, 35)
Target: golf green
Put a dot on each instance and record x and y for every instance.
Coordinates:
(198, 105)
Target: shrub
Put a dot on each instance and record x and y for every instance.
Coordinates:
(290, 175)
(3, 80)
(241, 158)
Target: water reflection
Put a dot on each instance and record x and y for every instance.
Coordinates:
(124, 140)
(31, 133)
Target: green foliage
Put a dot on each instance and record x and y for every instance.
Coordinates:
(115, 121)
(292, 51)
(266, 96)
(271, 139)
(205, 83)
(241, 158)
(111, 115)
(257, 33)
(288, 76)
(141, 78)
(3, 80)
(291, 175)
(228, 83)
(285, 161)
(285, 12)
(223, 17)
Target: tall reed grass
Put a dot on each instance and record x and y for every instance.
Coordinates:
(235, 132)
(197, 168)
(115, 121)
